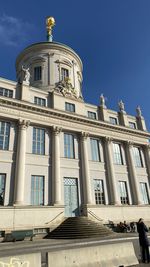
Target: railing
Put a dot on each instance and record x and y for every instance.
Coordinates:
(55, 217)
(94, 215)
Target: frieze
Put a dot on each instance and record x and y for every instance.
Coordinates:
(52, 117)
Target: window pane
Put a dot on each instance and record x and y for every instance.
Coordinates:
(117, 154)
(37, 190)
(132, 125)
(69, 146)
(137, 157)
(64, 73)
(6, 92)
(92, 115)
(69, 107)
(123, 193)
(99, 191)
(39, 101)
(113, 120)
(144, 193)
(2, 188)
(38, 142)
(37, 73)
(95, 152)
(4, 135)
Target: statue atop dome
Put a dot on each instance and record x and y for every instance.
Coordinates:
(50, 23)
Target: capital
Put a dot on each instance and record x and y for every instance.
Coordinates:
(57, 130)
(23, 124)
(108, 139)
(84, 135)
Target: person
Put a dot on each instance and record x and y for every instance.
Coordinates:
(133, 227)
(143, 240)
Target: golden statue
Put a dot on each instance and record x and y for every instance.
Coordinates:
(50, 23)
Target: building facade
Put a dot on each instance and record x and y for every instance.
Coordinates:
(61, 157)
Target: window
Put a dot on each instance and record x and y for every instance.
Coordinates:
(6, 92)
(37, 190)
(144, 192)
(4, 135)
(137, 157)
(2, 188)
(64, 73)
(117, 154)
(113, 120)
(95, 152)
(123, 193)
(99, 191)
(38, 73)
(92, 115)
(69, 146)
(38, 145)
(39, 101)
(69, 107)
(132, 125)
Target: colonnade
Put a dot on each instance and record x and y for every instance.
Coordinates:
(85, 170)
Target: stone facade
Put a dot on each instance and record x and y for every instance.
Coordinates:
(54, 139)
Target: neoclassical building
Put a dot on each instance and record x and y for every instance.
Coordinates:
(61, 157)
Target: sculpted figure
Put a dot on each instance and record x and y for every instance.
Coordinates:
(139, 112)
(121, 105)
(26, 75)
(102, 100)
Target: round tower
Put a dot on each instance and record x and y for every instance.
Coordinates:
(51, 66)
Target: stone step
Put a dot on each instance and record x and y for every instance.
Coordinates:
(79, 227)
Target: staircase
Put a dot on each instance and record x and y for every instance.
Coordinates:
(79, 227)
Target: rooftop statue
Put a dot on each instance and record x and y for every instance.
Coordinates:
(26, 75)
(121, 105)
(102, 100)
(50, 23)
(139, 112)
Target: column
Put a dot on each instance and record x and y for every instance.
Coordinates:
(147, 159)
(56, 166)
(85, 170)
(133, 177)
(20, 163)
(113, 183)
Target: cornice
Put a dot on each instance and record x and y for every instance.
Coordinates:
(60, 114)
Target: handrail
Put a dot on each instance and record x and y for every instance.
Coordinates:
(94, 215)
(55, 217)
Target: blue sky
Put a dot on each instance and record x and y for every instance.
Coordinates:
(112, 37)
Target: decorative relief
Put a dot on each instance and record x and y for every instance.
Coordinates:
(65, 88)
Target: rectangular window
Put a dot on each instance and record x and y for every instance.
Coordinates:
(69, 107)
(137, 157)
(123, 193)
(144, 193)
(113, 120)
(64, 73)
(37, 190)
(95, 151)
(4, 135)
(2, 188)
(6, 92)
(38, 144)
(117, 154)
(38, 73)
(40, 101)
(92, 115)
(99, 191)
(69, 146)
(132, 125)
